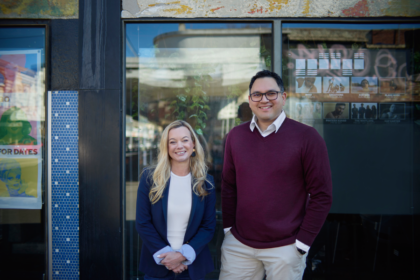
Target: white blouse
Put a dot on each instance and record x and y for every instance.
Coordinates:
(179, 209)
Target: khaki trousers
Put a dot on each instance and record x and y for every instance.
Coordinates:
(241, 262)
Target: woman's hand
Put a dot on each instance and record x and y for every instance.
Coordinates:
(180, 268)
(172, 259)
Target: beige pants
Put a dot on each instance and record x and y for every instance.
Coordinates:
(241, 262)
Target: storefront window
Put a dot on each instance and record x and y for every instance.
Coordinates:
(189, 71)
(22, 116)
(359, 86)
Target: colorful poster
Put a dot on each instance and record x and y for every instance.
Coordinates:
(21, 116)
(20, 182)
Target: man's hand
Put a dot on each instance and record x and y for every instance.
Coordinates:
(180, 268)
(172, 259)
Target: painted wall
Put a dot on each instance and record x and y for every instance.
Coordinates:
(39, 8)
(269, 8)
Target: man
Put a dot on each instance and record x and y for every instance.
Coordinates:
(276, 189)
(338, 112)
(354, 112)
(362, 111)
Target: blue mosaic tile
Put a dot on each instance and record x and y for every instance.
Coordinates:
(65, 185)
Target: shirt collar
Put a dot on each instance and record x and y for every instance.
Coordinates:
(277, 123)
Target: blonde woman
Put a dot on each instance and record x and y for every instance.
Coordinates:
(175, 215)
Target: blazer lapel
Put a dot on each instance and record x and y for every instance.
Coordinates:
(165, 201)
(194, 202)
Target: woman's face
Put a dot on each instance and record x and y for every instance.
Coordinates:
(14, 127)
(13, 180)
(180, 144)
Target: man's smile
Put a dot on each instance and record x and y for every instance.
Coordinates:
(265, 107)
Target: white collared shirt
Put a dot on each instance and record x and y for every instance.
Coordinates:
(274, 127)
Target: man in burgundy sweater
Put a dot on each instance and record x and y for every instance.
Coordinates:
(276, 189)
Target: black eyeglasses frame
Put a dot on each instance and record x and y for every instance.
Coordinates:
(262, 94)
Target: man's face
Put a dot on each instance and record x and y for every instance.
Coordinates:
(267, 110)
(340, 109)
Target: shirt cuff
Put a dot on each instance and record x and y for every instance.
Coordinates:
(161, 251)
(188, 252)
(302, 246)
(226, 229)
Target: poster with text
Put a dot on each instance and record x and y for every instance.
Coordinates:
(339, 110)
(22, 112)
(364, 111)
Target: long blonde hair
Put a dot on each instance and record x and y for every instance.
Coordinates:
(162, 171)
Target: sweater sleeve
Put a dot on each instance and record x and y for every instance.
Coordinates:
(229, 194)
(317, 175)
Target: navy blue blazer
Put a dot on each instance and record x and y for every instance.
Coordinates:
(151, 224)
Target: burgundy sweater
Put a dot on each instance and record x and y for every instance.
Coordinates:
(275, 189)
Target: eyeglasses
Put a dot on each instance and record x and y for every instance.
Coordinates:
(270, 95)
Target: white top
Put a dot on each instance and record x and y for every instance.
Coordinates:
(179, 209)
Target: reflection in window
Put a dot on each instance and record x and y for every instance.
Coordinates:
(195, 72)
(358, 85)
(22, 116)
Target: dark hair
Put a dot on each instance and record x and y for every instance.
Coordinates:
(267, 74)
(340, 104)
(243, 106)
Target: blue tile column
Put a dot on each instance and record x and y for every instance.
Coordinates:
(65, 184)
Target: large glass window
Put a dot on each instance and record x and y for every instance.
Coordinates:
(197, 72)
(359, 86)
(22, 116)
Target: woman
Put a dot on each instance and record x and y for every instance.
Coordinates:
(365, 86)
(368, 113)
(373, 112)
(11, 175)
(15, 129)
(176, 215)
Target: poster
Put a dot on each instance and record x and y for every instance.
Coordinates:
(364, 111)
(307, 111)
(21, 117)
(350, 75)
(339, 110)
